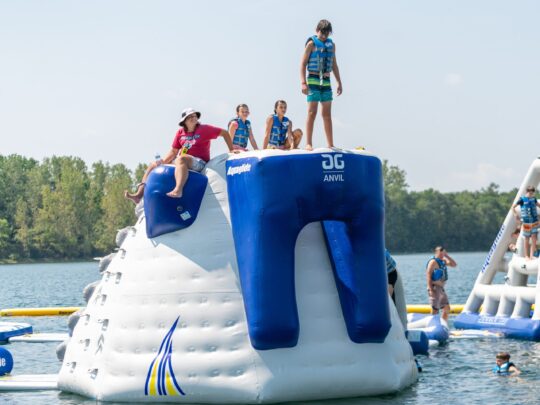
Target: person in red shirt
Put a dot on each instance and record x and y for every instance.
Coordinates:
(190, 150)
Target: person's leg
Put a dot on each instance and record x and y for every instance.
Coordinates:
(137, 196)
(297, 137)
(181, 174)
(534, 238)
(445, 312)
(310, 120)
(326, 112)
(527, 247)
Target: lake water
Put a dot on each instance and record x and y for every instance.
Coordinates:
(457, 373)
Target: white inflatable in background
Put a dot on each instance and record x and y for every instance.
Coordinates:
(190, 276)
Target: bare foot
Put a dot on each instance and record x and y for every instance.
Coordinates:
(309, 147)
(137, 196)
(175, 194)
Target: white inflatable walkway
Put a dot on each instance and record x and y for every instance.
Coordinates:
(167, 322)
(507, 307)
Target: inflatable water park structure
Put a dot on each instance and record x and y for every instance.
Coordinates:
(266, 282)
(507, 307)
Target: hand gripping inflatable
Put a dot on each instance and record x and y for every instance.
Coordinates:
(165, 214)
(271, 200)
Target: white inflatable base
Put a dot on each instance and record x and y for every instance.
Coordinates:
(29, 382)
(167, 323)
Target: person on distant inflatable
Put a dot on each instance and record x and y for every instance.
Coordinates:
(391, 270)
(240, 129)
(503, 366)
(437, 275)
(529, 220)
(190, 150)
(319, 60)
(278, 133)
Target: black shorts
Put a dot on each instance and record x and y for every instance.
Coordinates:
(392, 278)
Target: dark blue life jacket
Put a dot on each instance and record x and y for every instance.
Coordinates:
(321, 59)
(529, 214)
(440, 273)
(390, 262)
(241, 135)
(278, 135)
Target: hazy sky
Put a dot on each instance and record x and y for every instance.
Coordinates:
(449, 91)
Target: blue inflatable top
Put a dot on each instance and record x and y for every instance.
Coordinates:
(271, 199)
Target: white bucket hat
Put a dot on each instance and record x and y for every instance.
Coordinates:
(187, 112)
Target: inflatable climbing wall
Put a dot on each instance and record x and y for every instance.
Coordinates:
(265, 283)
(507, 307)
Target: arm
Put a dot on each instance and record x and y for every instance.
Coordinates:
(232, 128)
(169, 157)
(518, 217)
(429, 273)
(290, 136)
(267, 132)
(303, 66)
(335, 69)
(514, 370)
(252, 140)
(227, 139)
(449, 261)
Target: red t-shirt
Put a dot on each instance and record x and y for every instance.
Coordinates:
(198, 139)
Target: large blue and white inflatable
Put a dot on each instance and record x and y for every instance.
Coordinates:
(265, 283)
(507, 307)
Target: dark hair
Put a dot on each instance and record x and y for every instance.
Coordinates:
(278, 103)
(439, 249)
(531, 188)
(503, 356)
(241, 106)
(325, 27)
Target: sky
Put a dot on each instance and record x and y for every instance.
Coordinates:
(448, 91)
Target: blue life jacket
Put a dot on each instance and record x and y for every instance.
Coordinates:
(241, 135)
(321, 60)
(278, 135)
(529, 213)
(390, 262)
(440, 273)
(503, 369)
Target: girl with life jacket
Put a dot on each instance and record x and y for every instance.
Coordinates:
(240, 129)
(319, 61)
(529, 220)
(279, 133)
(503, 365)
(436, 276)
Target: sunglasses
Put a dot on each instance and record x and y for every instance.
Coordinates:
(531, 190)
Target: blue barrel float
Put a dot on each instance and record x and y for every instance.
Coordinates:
(6, 361)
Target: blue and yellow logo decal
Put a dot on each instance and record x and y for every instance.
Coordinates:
(160, 379)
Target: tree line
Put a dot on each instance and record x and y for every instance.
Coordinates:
(61, 209)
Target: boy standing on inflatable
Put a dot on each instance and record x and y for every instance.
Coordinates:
(529, 220)
(436, 275)
(319, 60)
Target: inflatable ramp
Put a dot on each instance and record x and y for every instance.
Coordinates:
(507, 307)
(265, 283)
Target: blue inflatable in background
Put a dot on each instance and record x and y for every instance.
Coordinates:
(271, 199)
(165, 214)
(6, 361)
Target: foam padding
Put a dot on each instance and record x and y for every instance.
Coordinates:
(271, 200)
(165, 214)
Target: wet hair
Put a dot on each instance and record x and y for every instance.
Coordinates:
(325, 27)
(278, 103)
(241, 106)
(503, 356)
(439, 249)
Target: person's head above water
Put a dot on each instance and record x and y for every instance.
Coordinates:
(189, 119)
(324, 29)
(502, 357)
(280, 107)
(242, 111)
(439, 251)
